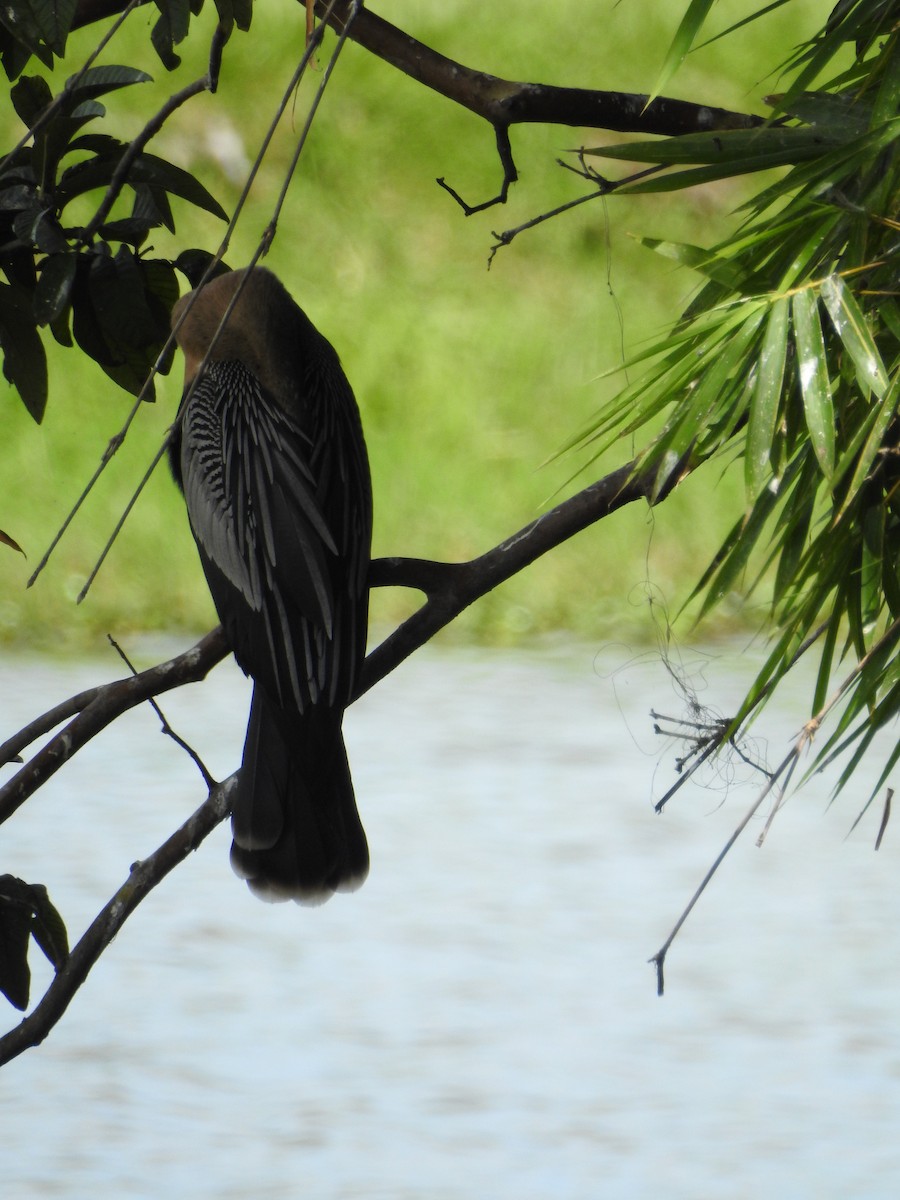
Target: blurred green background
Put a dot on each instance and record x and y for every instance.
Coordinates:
(469, 380)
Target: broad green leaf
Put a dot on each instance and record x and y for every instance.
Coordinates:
(193, 265)
(54, 288)
(676, 181)
(830, 169)
(766, 398)
(30, 97)
(889, 312)
(148, 169)
(159, 173)
(11, 542)
(170, 29)
(745, 538)
(98, 81)
(812, 373)
(870, 568)
(15, 931)
(48, 928)
(24, 359)
(887, 98)
(54, 19)
(695, 410)
(851, 328)
(25, 912)
(843, 116)
(41, 21)
(243, 13)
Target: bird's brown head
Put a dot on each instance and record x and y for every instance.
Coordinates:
(262, 330)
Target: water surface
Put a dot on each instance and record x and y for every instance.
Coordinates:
(480, 1019)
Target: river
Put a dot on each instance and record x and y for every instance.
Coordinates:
(480, 1020)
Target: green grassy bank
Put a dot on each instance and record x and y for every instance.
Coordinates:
(468, 379)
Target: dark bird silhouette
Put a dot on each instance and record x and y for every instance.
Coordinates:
(269, 452)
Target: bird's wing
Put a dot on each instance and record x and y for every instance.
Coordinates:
(266, 546)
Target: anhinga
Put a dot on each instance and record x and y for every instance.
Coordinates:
(269, 452)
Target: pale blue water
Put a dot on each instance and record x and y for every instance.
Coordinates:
(480, 1020)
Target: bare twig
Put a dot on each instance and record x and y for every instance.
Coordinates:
(787, 765)
(449, 589)
(97, 708)
(164, 720)
(785, 768)
(452, 587)
(602, 187)
(205, 83)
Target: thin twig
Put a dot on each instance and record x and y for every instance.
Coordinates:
(659, 957)
(602, 187)
(164, 720)
(98, 708)
(135, 148)
(116, 441)
(787, 766)
(145, 479)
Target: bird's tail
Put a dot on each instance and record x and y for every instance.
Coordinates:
(297, 834)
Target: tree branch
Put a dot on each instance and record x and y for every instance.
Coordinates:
(95, 709)
(142, 879)
(452, 587)
(449, 589)
(504, 102)
(501, 102)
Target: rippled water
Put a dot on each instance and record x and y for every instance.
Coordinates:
(480, 1020)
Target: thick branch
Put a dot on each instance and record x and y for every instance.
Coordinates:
(449, 588)
(505, 102)
(502, 102)
(452, 587)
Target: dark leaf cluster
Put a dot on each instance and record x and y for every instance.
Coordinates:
(91, 284)
(26, 913)
(40, 28)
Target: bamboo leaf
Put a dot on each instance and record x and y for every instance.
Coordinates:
(704, 261)
(850, 326)
(812, 373)
(735, 147)
(873, 443)
(684, 38)
(766, 398)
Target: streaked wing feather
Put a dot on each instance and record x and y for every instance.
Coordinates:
(265, 543)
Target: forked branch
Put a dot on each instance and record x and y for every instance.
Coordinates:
(449, 589)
